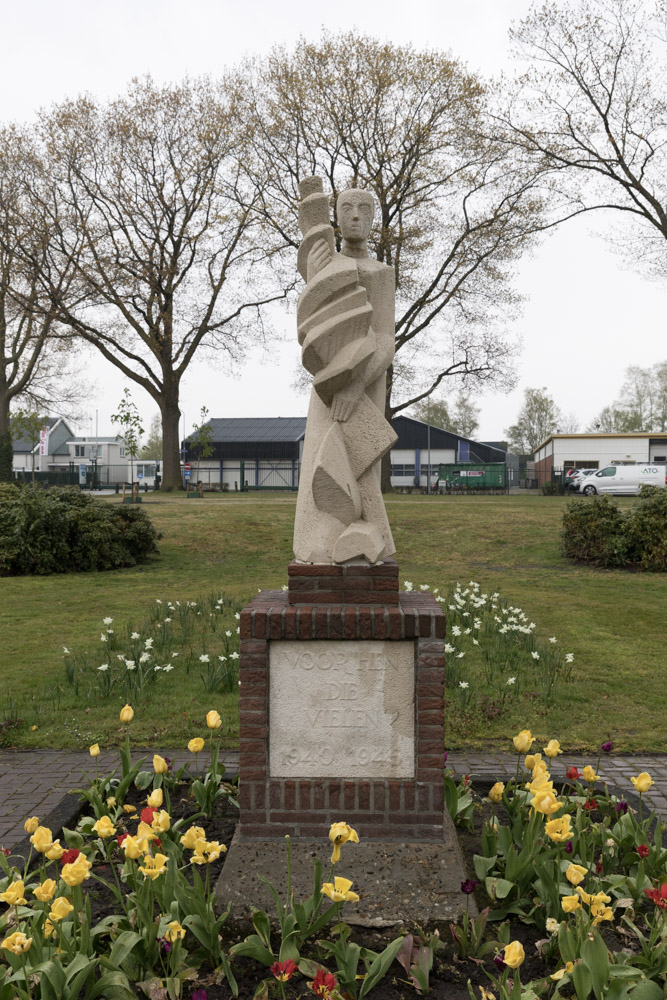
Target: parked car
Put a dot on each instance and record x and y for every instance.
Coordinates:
(575, 476)
(624, 479)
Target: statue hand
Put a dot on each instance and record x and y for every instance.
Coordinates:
(320, 255)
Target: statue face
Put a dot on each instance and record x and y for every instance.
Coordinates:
(355, 215)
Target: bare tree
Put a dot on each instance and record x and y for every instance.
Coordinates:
(591, 112)
(538, 418)
(456, 204)
(459, 415)
(169, 263)
(641, 403)
(35, 350)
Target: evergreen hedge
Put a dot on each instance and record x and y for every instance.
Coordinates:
(595, 531)
(62, 530)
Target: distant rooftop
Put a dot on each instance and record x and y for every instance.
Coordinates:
(237, 429)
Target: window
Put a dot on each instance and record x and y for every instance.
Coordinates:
(79, 451)
(122, 452)
(433, 472)
(660, 458)
(146, 471)
(587, 464)
(402, 470)
(610, 471)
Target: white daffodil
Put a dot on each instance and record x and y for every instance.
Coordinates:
(107, 621)
(553, 639)
(103, 666)
(535, 655)
(135, 635)
(203, 658)
(463, 684)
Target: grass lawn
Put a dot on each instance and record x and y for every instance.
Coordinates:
(614, 622)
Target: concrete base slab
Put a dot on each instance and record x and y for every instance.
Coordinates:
(399, 883)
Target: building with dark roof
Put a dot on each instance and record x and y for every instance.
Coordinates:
(266, 451)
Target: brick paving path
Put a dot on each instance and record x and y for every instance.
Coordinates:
(32, 783)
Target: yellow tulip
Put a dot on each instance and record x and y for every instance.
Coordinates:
(588, 774)
(339, 890)
(642, 782)
(46, 890)
(545, 803)
(31, 824)
(104, 828)
(155, 799)
(576, 874)
(94, 751)
(552, 749)
(213, 720)
(153, 867)
(75, 873)
(134, 847)
(161, 821)
(60, 908)
(175, 932)
(49, 929)
(17, 943)
(129, 809)
(191, 836)
(111, 802)
(599, 898)
(532, 760)
(559, 829)
(600, 913)
(496, 792)
(42, 839)
(558, 975)
(570, 904)
(126, 713)
(146, 831)
(160, 765)
(14, 894)
(196, 745)
(523, 741)
(541, 783)
(514, 954)
(55, 852)
(341, 833)
(583, 895)
(207, 851)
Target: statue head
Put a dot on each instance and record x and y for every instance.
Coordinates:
(355, 210)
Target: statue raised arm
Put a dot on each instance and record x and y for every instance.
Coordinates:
(345, 321)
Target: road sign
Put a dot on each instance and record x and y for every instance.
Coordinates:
(82, 475)
(187, 466)
(187, 473)
(140, 475)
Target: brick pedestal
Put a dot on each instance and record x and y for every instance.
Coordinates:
(342, 603)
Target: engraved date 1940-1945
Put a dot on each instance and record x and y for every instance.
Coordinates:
(323, 754)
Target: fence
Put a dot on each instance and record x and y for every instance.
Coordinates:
(246, 476)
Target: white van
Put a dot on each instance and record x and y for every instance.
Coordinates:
(624, 479)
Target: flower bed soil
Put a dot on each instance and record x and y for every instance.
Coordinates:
(449, 976)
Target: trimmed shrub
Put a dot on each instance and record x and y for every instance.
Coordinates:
(595, 531)
(67, 531)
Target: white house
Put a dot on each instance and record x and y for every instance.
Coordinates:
(561, 452)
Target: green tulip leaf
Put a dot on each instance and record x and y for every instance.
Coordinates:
(647, 990)
(483, 865)
(498, 888)
(582, 980)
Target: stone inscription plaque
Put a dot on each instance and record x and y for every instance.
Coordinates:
(341, 709)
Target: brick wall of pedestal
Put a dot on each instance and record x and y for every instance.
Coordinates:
(389, 809)
(310, 583)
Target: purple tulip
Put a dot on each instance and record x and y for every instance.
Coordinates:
(498, 962)
(165, 945)
(621, 806)
(198, 995)
(468, 886)
(568, 847)
(444, 758)
(608, 746)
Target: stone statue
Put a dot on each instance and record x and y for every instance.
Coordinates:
(345, 322)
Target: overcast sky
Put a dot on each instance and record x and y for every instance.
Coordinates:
(586, 317)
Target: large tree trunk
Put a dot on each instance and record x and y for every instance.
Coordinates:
(385, 476)
(171, 449)
(6, 447)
